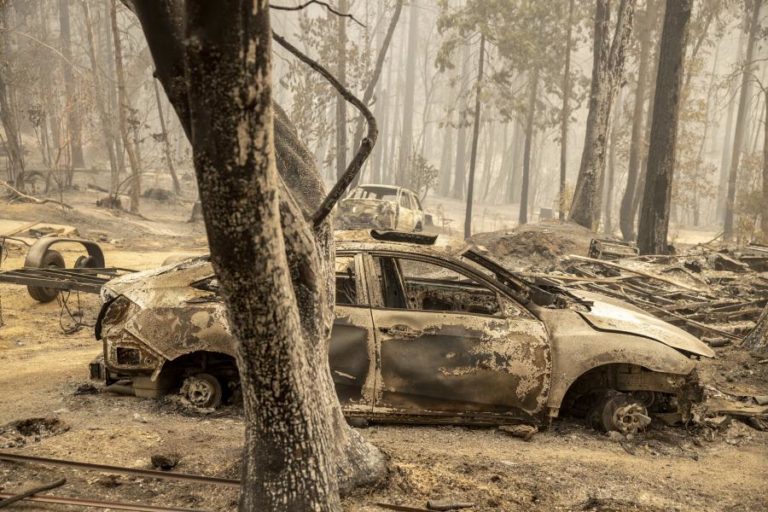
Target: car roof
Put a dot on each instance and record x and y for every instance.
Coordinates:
(372, 240)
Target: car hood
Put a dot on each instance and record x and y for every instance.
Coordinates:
(166, 285)
(611, 315)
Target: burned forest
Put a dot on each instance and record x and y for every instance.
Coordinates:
(371, 255)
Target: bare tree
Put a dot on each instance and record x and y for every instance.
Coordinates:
(654, 214)
(166, 142)
(273, 256)
(475, 137)
(607, 73)
(406, 140)
(73, 105)
(637, 144)
(123, 107)
(741, 117)
(341, 103)
(530, 116)
(8, 110)
(566, 112)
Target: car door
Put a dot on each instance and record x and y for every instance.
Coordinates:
(451, 344)
(405, 215)
(352, 346)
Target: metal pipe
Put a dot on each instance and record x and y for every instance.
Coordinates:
(113, 505)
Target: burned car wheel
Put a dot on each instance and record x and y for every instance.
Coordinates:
(51, 259)
(621, 413)
(202, 390)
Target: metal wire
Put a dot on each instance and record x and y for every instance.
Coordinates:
(112, 505)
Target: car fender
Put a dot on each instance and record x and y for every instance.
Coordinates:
(578, 348)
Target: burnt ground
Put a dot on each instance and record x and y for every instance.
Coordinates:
(567, 467)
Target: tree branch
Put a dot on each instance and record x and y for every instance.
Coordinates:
(318, 2)
(31, 199)
(366, 145)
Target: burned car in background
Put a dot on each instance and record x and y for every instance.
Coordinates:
(422, 334)
(381, 207)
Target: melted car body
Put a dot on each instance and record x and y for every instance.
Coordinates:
(381, 207)
(422, 334)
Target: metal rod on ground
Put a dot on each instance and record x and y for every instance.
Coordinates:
(117, 469)
(112, 505)
(27, 494)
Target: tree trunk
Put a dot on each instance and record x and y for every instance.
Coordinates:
(764, 217)
(637, 143)
(566, 113)
(654, 214)
(475, 137)
(373, 84)
(490, 153)
(166, 143)
(8, 110)
(611, 177)
(111, 99)
(123, 106)
(99, 100)
(741, 122)
(72, 104)
(445, 159)
(341, 76)
(607, 73)
(406, 139)
(533, 88)
(460, 166)
(299, 446)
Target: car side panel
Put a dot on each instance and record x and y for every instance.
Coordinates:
(352, 355)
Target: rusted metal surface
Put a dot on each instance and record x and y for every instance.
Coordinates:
(422, 334)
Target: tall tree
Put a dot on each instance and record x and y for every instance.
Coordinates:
(7, 107)
(166, 142)
(741, 119)
(475, 137)
(123, 108)
(530, 116)
(566, 112)
(341, 103)
(406, 139)
(73, 105)
(646, 26)
(607, 73)
(275, 267)
(654, 214)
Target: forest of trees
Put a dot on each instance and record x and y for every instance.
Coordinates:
(478, 102)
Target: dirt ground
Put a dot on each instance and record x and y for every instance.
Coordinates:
(567, 467)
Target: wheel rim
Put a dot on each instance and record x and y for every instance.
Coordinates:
(200, 392)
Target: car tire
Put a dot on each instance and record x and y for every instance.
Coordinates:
(203, 390)
(51, 259)
(619, 412)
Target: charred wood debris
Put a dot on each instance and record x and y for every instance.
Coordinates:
(717, 294)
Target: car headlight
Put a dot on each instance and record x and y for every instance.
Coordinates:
(106, 294)
(116, 311)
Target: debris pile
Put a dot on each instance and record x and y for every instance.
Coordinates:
(716, 295)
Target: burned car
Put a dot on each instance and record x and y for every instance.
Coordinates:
(381, 207)
(423, 334)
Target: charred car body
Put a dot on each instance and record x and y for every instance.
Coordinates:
(381, 207)
(422, 334)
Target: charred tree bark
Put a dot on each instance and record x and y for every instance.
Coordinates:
(654, 214)
(611, 175)
(566, 113)
(637, 143)
(73, 105)
(341, 103)
(300, 448)
(607, 73)
(529, 132)
(475, 137)
(166, 143)
(764, 215)
(741, 121)
(123, 106)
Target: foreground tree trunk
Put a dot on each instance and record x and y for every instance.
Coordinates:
(475, 137)
(654, 214)
(278, 278)
(607, 73)
(637, 144)
(741, 121)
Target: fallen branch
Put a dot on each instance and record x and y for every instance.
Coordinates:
(31, 199)
(366, 145)
(32, 492)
